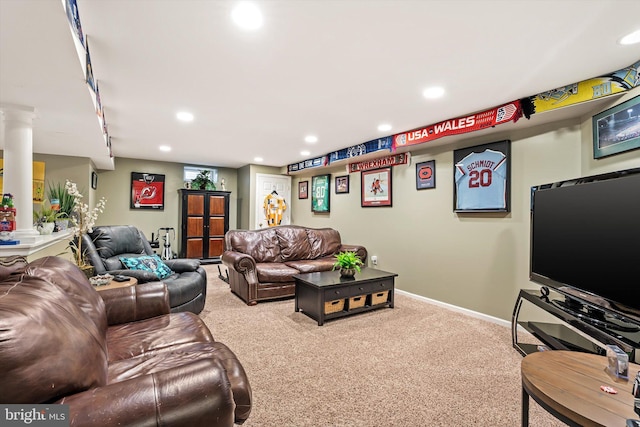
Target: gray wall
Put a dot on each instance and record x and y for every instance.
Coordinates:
(475, 261)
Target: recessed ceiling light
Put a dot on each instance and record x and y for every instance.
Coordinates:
(305, 153)
(433, 92)
(632, 38)
(311, 139)
(184, 116)
(165, 148)
(247, 16)
(384, 127)
(258, 159)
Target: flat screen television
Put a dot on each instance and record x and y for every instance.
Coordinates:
(585, 242)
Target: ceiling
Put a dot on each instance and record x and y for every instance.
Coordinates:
(334, 69)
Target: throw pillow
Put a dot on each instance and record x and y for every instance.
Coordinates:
(151, 263)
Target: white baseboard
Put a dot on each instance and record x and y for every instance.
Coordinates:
(462, 310)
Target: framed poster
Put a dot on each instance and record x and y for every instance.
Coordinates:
(342, 184)
(482, 178)
(617, 129)
(320, 193)
(147, 191)
(303, 190)
(426, 175)
(376, 188)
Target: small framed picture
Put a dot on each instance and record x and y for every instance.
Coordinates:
(426, 175)
(94, 180)
(376, 188)
(342, 184)
(303, 190)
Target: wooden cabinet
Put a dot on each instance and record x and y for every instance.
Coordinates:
(204, 220)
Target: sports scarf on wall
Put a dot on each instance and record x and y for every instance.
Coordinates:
(360, 149)
(393, 160)
(509, 112)
(587, 90)
(307, 164)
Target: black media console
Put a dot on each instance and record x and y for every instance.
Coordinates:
(561, 322)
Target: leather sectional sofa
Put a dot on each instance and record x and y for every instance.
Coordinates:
(117, 357)
(261, 263)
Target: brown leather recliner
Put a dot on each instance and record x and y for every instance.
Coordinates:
(262, 263)
(117, 357)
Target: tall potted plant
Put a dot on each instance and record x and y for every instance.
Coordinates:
(66, 201)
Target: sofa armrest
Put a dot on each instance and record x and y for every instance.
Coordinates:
(204, 399)
(243, 264)
(133, 303)
(361, 251)
(182, 265)
(141, 275)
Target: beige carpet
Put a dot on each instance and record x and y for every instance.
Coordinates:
(415, 365)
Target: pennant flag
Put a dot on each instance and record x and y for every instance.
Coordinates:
(379, 144)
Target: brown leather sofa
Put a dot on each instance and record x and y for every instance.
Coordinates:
(117, 357)
(261, 263)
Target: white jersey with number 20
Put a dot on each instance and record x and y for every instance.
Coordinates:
(481, 181)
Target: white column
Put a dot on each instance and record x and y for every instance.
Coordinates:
(18, 165)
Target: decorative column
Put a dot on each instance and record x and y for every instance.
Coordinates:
(18, 166)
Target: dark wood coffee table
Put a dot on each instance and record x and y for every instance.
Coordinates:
(567, 384)
(325, 295)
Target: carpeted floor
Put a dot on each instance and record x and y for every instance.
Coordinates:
(415, 365)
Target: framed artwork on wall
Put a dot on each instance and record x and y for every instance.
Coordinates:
(147, 191)
(426, 175)
(303, 190)
(342, 184)
(482, 178)
(376, 188)
(94, 180)
(320, 194)
(617, 129)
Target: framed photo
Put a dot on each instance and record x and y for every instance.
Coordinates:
(342, 184)
(147, 191)
(426, 175)
(303, 190)
(617, 129)
(376, 188)
(320, 193)
(94, 180)
(482, 176)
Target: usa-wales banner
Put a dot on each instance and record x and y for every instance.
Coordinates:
(509, 112)
(379, 144)
(587, 90)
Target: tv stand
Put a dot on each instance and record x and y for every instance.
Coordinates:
(561, 322)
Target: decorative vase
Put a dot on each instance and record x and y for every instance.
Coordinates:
(46, 228)
(88, 270)
(62, 224)
(347, 272)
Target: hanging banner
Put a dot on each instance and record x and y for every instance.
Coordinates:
(587, 90)
(307, 164)
(393, 160)
(510, 112)
(379, 144)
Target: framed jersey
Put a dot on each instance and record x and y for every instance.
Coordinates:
(482, 178)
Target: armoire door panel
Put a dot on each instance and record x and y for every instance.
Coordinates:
(216, 227)
(195, 226)
(216, 205)
(195, 204)
(216, 247)
(194, 248)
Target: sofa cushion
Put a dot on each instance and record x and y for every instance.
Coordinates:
(313, 265)
(164, 332)
(117, 240)
(323, 241)
(262, 245)
(294, 243)
(49, 347)
(275, 272)
(151, 263)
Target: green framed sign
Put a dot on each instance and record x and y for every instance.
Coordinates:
(320, 193)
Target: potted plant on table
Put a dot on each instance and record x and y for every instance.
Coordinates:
(45, 218)
(65, 200)
(348, 262)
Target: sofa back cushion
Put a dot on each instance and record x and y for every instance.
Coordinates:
(262, 245)
(323, 242)
(49, 347)
(112, 241)
(294, 243)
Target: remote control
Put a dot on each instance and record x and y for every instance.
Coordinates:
(120, 278)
